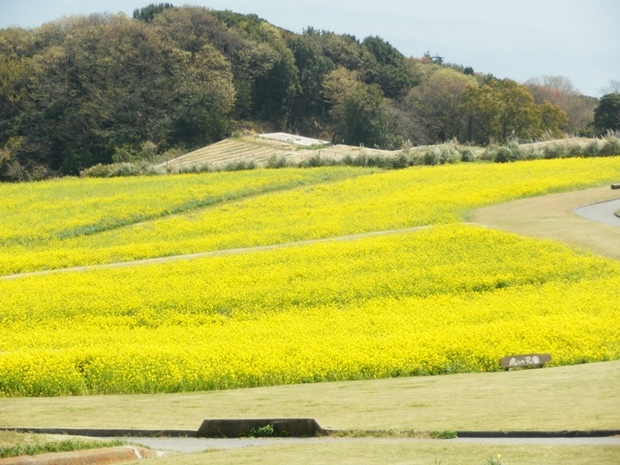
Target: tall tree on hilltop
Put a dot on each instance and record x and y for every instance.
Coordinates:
(272, 91)
(312, 65)
(607, 114)
(148, 13)
(389, 69)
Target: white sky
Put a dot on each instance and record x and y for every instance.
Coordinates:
(518, 39)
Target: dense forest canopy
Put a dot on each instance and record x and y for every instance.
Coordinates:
(103, 88)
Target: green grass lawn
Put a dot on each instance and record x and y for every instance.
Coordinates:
(581, 397)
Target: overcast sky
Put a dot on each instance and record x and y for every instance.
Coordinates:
(518, 39)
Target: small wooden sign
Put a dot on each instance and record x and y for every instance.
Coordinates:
(526, 360)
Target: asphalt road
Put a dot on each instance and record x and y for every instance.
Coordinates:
(602, 212)
(189, 445)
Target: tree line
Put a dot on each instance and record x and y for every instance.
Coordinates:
(106, 88)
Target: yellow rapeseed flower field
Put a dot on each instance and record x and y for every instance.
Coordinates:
(381, 201)
(444, 299)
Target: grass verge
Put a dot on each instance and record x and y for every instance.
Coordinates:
(579, 397)
(18, 444)
(348, 452)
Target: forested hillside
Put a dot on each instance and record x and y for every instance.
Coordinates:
(106, 88)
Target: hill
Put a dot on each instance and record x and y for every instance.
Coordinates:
(100, 89)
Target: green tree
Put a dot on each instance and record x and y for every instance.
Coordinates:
(434, 107)
(101, 85)
(607, 114)
(16, 70)
(191, 28)
(148, 13)
(274, 87)
(388, 69)
(344, 51)
(206, 96)
(358, 111)
(499, 111)
(312, 65)
(553, 120)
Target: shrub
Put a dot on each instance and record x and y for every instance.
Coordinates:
(591, 149)
(507, 153)
(141, 168)
(449, 155)
(467, 154)
(193, 168)
(431, 157)
(399, 161)
(277, 161)
(266, 431)
(240, 165)
(554, 151)
(575, 150)
(611, 146)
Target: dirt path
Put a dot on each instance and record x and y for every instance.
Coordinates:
(213, 253)
(553, 217)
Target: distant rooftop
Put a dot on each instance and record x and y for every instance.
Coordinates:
(293, 139)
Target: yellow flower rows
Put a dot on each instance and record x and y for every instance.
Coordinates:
(445, 299)
(34, 213)
(380, 201)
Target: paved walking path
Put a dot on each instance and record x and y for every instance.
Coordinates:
(189, 445)
(601, 212)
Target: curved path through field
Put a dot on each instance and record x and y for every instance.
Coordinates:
(557, 217)
(584, 218)
(213, 253)
(602, 212)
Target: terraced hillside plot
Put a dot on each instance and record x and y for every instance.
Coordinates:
(247, 149)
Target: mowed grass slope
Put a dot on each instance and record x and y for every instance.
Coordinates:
(576, 397)
(447, 299)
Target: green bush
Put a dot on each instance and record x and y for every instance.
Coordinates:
(554, 151)
(611, 146)
(140, 168)
(449, 155)
(591, 150)
(266, 431)
(277, 161)
(431, 157)
(467, 154)
(240, 165)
